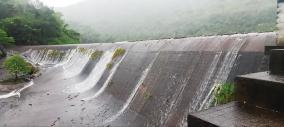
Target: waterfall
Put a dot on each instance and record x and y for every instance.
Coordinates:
(41, 57)
(17, 92)
(106, 83)
(134, 91)
(75, 64)
(205, 84)
(223, 71)
(95, 75)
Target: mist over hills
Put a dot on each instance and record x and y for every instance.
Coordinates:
(130, 20)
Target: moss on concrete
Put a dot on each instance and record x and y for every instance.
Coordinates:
(56, 53)
(118, 52)
(96, 54)
(109, 65)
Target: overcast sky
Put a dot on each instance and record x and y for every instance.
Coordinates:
(60, 3)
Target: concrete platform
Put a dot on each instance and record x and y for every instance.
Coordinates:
(236, 114)
(261, 89)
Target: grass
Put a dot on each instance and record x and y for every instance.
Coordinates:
(224, 93)
(96, 54)
(82, 50)
(109, 65)
(55, 53)
(118, 52)
(147, 95)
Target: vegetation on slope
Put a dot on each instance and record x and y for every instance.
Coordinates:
(118, 52)
(224, 93)
(4, 41)
(96, 54)
(128, 20)
(17, 66)
(32, 23)
(55, 54)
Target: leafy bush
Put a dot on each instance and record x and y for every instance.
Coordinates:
(224, 93)
(16, 65)
(5, 41)
(32, 23)
(96, 54)
(118, 52)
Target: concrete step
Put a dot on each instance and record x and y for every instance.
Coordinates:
(236, 114)
(267, 49)
(261, 89)
(276, 62)
(259, 103)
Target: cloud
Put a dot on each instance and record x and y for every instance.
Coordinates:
(60, 3)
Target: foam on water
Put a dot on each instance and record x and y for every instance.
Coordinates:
(75, 64)
(95, 75)
(134, 92)
(223, 72)
(16, 92)
(106, 83)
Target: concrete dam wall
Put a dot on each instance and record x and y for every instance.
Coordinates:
(155, 83)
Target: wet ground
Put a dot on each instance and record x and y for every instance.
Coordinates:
(240, 115)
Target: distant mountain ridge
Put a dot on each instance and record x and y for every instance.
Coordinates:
(113, 20)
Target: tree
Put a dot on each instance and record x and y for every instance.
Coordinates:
(16, 65)
(32, 23)
(4, 41)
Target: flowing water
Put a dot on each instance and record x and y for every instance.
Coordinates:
(155, 83)
(94, 76)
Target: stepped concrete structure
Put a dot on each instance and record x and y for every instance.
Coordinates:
(258, 100)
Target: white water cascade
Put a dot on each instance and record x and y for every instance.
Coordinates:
(106, 83)
(223, 72)
(94, 77)
(17, 92)
(134, 92)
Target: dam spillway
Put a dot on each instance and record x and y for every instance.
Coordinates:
(155, 83)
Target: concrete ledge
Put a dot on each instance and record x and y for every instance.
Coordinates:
(276, 61)
(236, 114)
(194, 121)
(267, 49)
(261, 89)
(9, 88)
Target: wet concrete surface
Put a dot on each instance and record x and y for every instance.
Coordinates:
(261, 89)
(156, 83)
(236, 114)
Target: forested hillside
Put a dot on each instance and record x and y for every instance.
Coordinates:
(25, 22)
(121, 20)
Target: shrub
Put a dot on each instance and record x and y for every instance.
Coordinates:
(16, 65)
(109, 65)
(224, 93)
(96, 54)
(118, 52)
